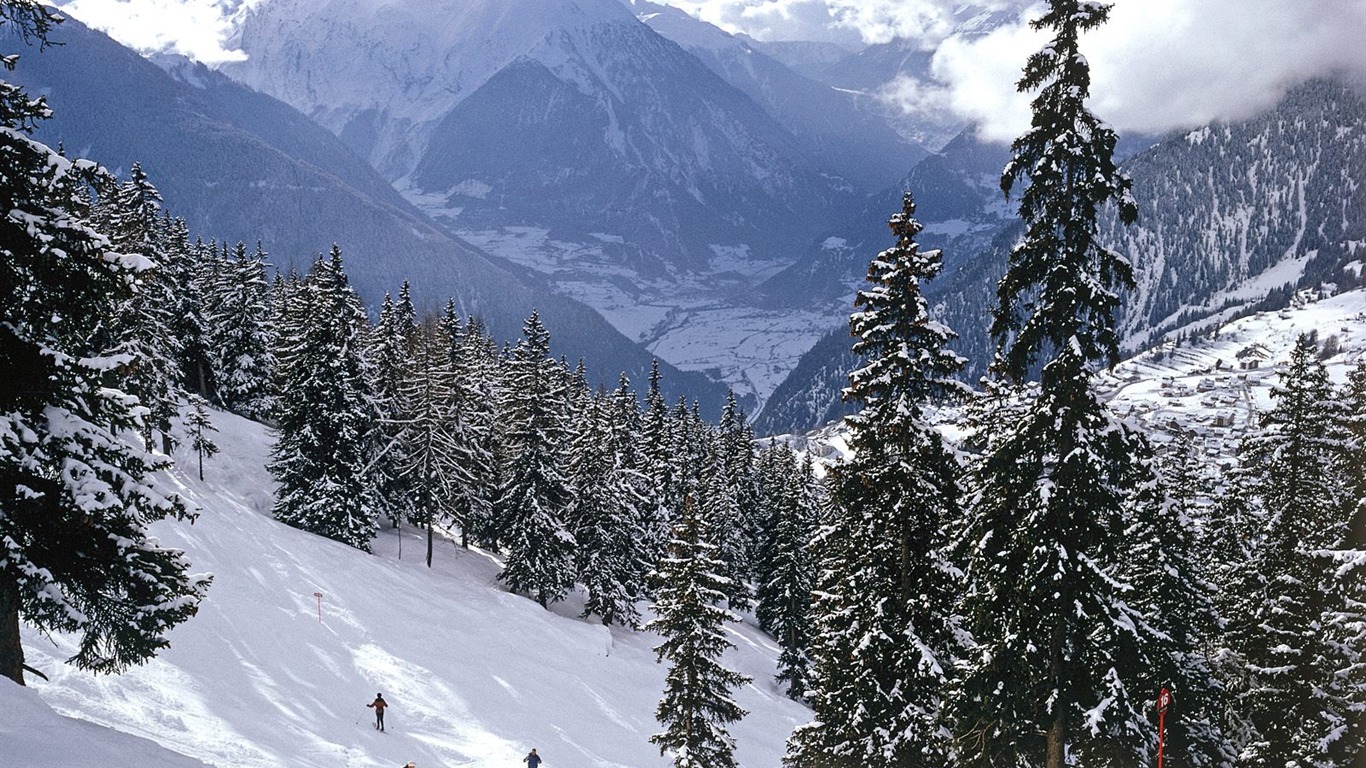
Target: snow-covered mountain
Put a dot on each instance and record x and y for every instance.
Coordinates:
(1209, 389)
(886, 73)
(573, 140)
(1233, 217)
(847, 128)
(569, 114)
(298, 633)
(239, 165)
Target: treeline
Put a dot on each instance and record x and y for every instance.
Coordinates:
(424, 419)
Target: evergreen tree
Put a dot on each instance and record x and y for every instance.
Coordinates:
(697, 704)
(735, 456)
(390, 349)
(1346, 629)
(199, 426)
(658, 466)
(785, 586)
(188, 322)
(605, 515)
(1169, 571)
(1296, 700)
(1059, 647)
(535, 496)
(475, 362)
(427, 445)
(240, 333)
(898, 492)
(144, 325)
(325, 414)
(76, 500)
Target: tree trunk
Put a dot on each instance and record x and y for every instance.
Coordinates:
(1057, 739)
(1056, 746)
(429, 542)
(11, 649)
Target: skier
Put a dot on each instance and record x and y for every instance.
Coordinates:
(378, 705)
(532, 760)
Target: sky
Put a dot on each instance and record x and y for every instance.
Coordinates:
(1158, 65)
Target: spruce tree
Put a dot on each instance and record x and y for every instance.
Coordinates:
(326, 414)
(697, 704)
(535, 495)
(1169, 571)
(1345, 626)
(390, 350)
(784, 609)
(240, 333)
(76, 500)
(475, 363)
(189, 322)
(1296, 700)
(1061, 654)
(658, 465)
(898, 494)
(198, 426)
(605, 514)
(144, 325)
(424, 433)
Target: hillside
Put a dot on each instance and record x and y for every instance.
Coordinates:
(239, 165)
(476, 676)
(1210, 388)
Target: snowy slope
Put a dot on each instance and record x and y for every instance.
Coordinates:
(1209, 388)
(475, 676)
(1214, 387)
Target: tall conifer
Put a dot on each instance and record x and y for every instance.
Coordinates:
(76, 499)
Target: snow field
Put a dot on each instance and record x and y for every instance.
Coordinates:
(475, 676)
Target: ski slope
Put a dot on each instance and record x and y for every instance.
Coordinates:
(475, 676)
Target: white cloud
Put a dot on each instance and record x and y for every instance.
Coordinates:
(1159, 65)
(195, 28)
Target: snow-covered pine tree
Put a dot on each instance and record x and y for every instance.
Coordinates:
(326, 413)
(145, 325)
(836, 690)
(788, 490)
(735, 453)
(899, 492)
(198, 427)
(189, 323)
(1345, 629)
(474, 358)
(76, 500)
(604, 515)
(658, 465)
(240, 333)
(535, 495)
(697, 704)
(389, 350)
(424, 432)
(717, 502)
(1168, 569)
(1296, 700)
(1059, 648)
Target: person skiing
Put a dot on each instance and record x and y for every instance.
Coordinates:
(532, 760)
(378, 705)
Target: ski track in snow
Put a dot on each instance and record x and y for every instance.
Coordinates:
(476, 676)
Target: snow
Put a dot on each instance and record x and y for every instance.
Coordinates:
(475, 676)
(412, 61)
(1211, 389)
